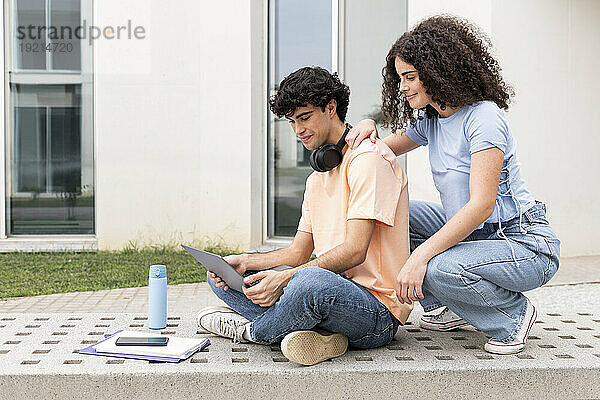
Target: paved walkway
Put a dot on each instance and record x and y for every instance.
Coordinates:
(191, 297)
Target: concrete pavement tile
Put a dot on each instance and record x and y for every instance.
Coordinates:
(444, 370)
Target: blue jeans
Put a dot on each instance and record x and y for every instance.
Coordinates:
(319, 299)
(478, 278)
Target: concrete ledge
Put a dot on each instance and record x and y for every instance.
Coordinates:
(308, 384)
(39, 359)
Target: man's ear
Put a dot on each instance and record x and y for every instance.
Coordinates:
(331, 108)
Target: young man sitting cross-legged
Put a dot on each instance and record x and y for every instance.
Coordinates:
(355, 218)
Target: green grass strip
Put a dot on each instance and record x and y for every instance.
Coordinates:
(32, 274)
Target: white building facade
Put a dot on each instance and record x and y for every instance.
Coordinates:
(163, 134)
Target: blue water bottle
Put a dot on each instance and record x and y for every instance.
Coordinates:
(157, 297)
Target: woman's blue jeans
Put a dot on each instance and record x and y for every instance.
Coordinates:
(319, 299)
(479, 279)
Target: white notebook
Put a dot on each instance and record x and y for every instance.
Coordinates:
(177, 347)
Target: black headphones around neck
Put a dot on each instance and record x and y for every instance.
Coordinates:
(329, 156)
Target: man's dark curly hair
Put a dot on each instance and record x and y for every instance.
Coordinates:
(310, 85)
(454, 63)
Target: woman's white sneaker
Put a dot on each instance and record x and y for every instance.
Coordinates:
(443, 321)
(518, 343)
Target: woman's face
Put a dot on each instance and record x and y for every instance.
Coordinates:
(411, 85)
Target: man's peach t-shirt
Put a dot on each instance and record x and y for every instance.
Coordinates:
(368, 184)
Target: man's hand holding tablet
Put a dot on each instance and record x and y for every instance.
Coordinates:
(264, 288)
(238, 262)
(228, 271)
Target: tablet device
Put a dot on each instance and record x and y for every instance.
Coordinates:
(215, 263)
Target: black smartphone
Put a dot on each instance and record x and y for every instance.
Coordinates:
(142, 341)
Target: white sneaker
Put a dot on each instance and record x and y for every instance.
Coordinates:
(445, 320)
(518, 343)
(223, 321)
(310, 347)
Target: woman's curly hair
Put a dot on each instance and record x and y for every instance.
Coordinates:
(310, 85)
(454, 63)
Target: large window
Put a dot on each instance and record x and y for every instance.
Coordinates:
(49, 152)
(301, 33)
(348, 37)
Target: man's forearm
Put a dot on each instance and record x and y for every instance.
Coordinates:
(338, 260)
(287, 256)
(351, 252)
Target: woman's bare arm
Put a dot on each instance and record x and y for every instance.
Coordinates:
(398, 141)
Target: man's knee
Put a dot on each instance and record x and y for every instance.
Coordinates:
(310, 283)
(309, 276)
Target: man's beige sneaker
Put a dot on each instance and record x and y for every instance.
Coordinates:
(310, 347)
(223, 321)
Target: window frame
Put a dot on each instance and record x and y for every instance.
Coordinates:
(337, 29)
(84, 4)
(83, 77)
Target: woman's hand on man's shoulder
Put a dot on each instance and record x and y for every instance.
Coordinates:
(364, 129)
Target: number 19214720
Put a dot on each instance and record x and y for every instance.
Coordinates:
(41, 47)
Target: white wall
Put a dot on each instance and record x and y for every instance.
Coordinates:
(179, 131)
(550, 50)
(554, 69)
(173, 123)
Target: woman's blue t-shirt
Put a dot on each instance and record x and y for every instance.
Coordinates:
(451, 142)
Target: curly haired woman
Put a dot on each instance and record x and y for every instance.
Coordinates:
(489, 240)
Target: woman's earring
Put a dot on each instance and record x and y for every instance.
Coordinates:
(442, 107)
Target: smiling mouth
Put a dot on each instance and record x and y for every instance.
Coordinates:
(412, 96)
(305, 139)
